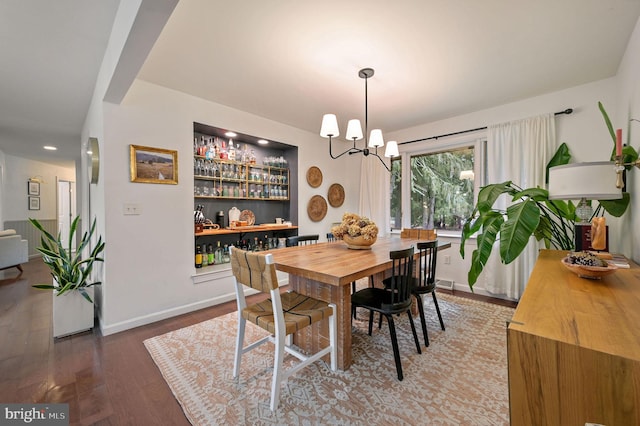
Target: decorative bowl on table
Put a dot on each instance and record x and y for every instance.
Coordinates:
(359, 242)
(358, 232)
(587, 265)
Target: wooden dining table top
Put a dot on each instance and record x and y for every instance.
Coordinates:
(334, 263)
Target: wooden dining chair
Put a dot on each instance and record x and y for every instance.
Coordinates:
(395, 299)
(281, 315)
(425, 282)
(300, 240)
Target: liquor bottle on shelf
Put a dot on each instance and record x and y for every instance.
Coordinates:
(231, 151)
(252, 157)
(201, 146)
(226, 257)
(218, 255)
(223, 151)
(245, 155)
(205, 258)
(198, 257)
(210, 254)
(195, 146)
(216, 148)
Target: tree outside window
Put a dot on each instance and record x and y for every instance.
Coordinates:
(442, 188)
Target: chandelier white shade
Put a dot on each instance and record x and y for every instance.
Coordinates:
(329, 129)
(354, 130)
(392, 149)
(329, 126)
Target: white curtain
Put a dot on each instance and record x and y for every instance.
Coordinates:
(375, 199)
(517, 151)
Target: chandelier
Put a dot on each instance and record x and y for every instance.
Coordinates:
(329, 129)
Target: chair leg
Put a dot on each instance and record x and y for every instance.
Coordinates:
(394, 343)
(422, 319)
(239, 345)
(413, 330)
(19, 268)
(370, 322)
(333, 338)
(435, 302)
(277, 372)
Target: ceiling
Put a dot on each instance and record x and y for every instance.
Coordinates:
(292, 61)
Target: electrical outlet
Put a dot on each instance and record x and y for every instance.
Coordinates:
(447, 259)
(131, 209)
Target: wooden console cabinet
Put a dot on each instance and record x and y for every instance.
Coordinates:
(574, 348)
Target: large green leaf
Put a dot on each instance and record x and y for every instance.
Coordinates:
(537, 194)
(470, 227)
(608, 123)
(490, 228)
(560, 158)
(616, 208)
(490, 193)
(522, 220)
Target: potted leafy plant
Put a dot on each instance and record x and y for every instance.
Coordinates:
(532, 214)
(72, 301)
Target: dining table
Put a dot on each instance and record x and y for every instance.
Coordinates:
(325, 271)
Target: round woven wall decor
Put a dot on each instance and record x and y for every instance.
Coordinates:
(314, 177)
(335, 195)
(317, 208)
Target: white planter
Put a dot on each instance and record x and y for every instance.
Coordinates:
(72, 313)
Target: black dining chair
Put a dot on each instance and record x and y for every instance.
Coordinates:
(393, 300)
(425, 283)
(330, 237)
(301, 240)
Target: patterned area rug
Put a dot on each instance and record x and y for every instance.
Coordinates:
(461, 378)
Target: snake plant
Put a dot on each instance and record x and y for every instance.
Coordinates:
(68, 269)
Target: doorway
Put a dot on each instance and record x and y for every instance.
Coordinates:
(66, 210)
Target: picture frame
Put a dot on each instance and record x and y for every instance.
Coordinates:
(33, 188)
(34, 203)
(153, 165)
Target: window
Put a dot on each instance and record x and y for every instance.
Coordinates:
(442, 188)
(396, 193)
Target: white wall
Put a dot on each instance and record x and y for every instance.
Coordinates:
(628, 107)
(15, 198)
(150, 264)
(584, 131)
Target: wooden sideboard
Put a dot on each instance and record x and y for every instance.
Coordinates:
(574, 348)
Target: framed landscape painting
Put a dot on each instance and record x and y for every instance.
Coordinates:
(153, 165)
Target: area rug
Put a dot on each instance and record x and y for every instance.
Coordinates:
(460, 379)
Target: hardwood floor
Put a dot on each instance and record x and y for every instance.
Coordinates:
(105, 380)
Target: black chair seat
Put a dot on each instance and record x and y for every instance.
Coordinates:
(379, 300)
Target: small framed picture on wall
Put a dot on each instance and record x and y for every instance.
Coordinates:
(34, 203)
(33, 188)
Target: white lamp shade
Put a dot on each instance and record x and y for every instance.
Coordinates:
(375, 139)
(592, 181)
(354, 130)
(392, 149)
(329, 126)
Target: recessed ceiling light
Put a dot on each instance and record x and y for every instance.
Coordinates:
(50, 148)
(263, 142)
(230, 134)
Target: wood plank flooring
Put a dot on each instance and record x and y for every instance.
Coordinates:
(105, 380)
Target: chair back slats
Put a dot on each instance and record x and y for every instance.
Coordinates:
(254, 270)
(400, 282)
(298, 240)
(428, 255)
(330, 237)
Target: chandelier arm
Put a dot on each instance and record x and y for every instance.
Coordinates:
(382, 161)
(337, 156)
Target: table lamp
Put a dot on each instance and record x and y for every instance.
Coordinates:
(586, 181)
